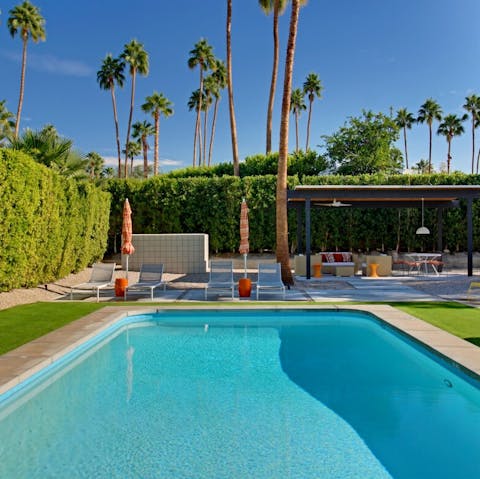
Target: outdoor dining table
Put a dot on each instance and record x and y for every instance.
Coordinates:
(423, 260)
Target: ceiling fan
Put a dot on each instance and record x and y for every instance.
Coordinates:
(335, 204)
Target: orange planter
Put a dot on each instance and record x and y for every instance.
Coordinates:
(120, 285)
(244, 287)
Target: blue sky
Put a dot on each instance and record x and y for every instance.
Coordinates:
(372, 54)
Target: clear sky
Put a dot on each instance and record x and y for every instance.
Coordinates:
(371, 54)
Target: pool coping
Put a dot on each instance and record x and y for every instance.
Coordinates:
(23, 362)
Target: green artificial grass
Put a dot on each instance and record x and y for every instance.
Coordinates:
(458, 319)
(21, 324)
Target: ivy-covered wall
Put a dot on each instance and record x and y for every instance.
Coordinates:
(49, 225)
(212, 205)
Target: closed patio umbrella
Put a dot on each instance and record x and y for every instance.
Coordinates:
(244, 245)
(127, 246)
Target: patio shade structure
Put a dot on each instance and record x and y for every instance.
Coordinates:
(127, 246)
(305, 197)
(244, 233)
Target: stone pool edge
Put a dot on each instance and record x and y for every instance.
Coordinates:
(22, 363)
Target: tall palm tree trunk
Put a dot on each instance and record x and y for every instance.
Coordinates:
(156, 141)
(282, 252)
(205, 122)
(273, 83)
(296, 131)
(308, 123)
(405, 145)
(195, 144)
(145, 156)
(449, 156)
(212, 133)
(473, 141)
(22, 86)
(197, 123)
(430, 148)
(233, 123)
(117, 134)
(130, 116)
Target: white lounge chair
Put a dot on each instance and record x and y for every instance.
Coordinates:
(221, 277)
(102, 277)
(270, 278)
(149, 279)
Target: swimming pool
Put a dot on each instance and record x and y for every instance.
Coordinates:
(236, 394)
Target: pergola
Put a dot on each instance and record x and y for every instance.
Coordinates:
(306, 197)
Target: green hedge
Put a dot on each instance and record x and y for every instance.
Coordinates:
(166, 204)
(49, 225)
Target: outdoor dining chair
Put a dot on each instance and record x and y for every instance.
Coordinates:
(270, 278)
(101, 277)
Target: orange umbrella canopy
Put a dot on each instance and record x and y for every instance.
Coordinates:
(244, 246)
(127, 246)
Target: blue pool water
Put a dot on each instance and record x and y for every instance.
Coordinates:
(295, 394)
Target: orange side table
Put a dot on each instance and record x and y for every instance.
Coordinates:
(373, 270)
(317, 270)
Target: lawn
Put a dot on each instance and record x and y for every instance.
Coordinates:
(22, 324)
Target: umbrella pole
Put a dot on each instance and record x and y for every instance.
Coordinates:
(245, 265)
(127, 266)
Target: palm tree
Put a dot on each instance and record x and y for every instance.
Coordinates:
(451, 126)
(231, 107)
(26, 20)
(7, 122)
(428, 112)
(277, 7)
(201, 56)
(313, 88)
(111, 73)
(194, 103)
(135, 55)
(219, 76)
(157, 104)
(472, 105)
(45, 146)
(133, 149)
(209, 89)
(405, 120)
(95, 164)
(282, 252)
(297, 104)
(141, 131)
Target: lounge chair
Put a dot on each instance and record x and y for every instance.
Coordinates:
(221, 277)
(101, 277)
(149, 279)
(270, 278)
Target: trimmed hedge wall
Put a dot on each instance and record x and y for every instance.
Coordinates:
(212, 205)
(49, 225)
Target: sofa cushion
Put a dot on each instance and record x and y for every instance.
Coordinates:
(328, 257)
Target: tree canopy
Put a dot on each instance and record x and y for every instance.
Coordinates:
(364, 145)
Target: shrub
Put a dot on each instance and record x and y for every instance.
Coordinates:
(50, 226)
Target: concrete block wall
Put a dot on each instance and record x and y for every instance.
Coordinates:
(179, 253)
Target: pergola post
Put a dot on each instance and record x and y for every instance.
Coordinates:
(469, 237)
(307, 236)
(440, 230)
(299, 231)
